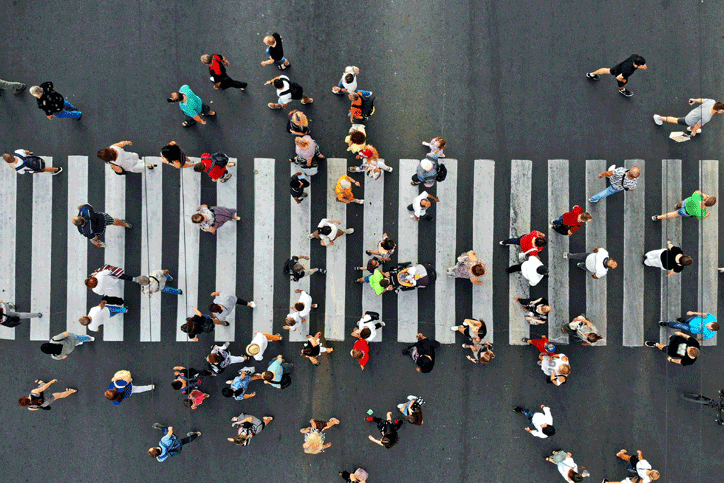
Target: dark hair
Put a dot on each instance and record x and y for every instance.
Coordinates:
(638, 60)
(177, 384)
(593, 337)
(384, 283)
(549, 430)
(365, 333)
(216, 308)
(694, 352)
(586, 216)
(177, 95)
(719, 105)
(478, 269)
(188, 326)
(375, 262)
(215, 358)
(357, 354)
(188, 403)
(714, 326)
(686, 260)
(227, 392)
(199, 167)
(107, 154)
(353, 96)
(540, 242)
(25, 401)
(324, 230)
(113, 395)
(197, 218)
(357, 137)
(51, 348)
(389, 440)
(299, 306)
(542, 270)
(170, 151)
(307, 350)
(278, 83)
(575, 477)
(154, 452)
(267, 375)
(415, 417)
(349, 78)
(388, 244)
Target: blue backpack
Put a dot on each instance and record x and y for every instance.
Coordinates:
(34, 163)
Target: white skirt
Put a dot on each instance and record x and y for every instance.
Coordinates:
(653, 258)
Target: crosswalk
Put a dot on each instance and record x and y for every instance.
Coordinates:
(336, 318)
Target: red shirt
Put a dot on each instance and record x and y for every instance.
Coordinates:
(526, 243)
(217, 171)
(362, 345)
(570, 219)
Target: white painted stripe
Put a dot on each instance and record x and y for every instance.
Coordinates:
(299, 228)
(41, 252)
(226, 257)
(77, 264)
(115, 239)
(372, 234)
(188, 250)
(709, 244)
(633, 251)
(151, 237)
(445, 255)
(407, 231)
(521, 172)
(8, 220)
(558, 296)
(596, 310)
(670, 230)
(264, 227)
(483, 218)
(334, 304)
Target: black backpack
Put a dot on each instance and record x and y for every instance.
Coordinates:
(295, 89)
(441, 172)
(286, 380)
(35, 163)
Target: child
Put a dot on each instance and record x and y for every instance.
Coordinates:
(215, 166)
(195, 399)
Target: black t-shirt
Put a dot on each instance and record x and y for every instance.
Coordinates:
(315, 349)
(668, 259)
(50, 102)
(291, 126)
(202, 324)
(387, 427)
(294, 188)
(277, 52)
(625, 68)
(426, 347)
(289, 269)
(675, 342)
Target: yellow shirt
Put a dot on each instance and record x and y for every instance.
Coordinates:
(344, 194)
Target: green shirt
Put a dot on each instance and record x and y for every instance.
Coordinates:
(375, 280)
(693, 206)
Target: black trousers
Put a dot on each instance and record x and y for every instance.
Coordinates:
(426, 216)
(112, 300)
(227, 82)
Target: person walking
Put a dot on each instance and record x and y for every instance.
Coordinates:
(638, 464)
(59, 346)
(23, 162)
(542, 422)
(297, 184)
(314, 435)
(387, 428)
(482, 352)
(359, 475)
(220, 358)
(360, 350)
(412, 409)
(170, 445)
(308, 155)
(371, 162)
(287, 91)
(367, 326)
(348, 82)
(475, 330)
(329, 230)
(300, 310)
(173, 155)
(469, 266)
(249, 426)
(436, 146)
(596, 261)
(356, 139)
(532, 270)
(298, 271)
(361, 108)
(215, 166)
(275, 372)
(423, 353)
(622, 71)
(10, 318)
(224, 304)
(701, 324)
(313, 348)
(378, 280)
(107, 282)
(156, 281)
(569, 223)
(298, 124)
(343, 190)
(420, 205)
(583, 329)
(121, 387)
(275, 51)
(531, 244)
(211, 219)
(191, 105)
(683, 349)
(536, 311)
(53, 104)
(556, 367)
(217, 64)
(620, 179)
(199, 324)
(187, 380)
(426, 173)
(696, 118)
(259, 343)
(567, 467)
(543, 345)
(100, 314)
(37, 399)
(92, 224)
(195, 399)
(121, 161)
(17, 87)
(240, 384)
(385, 249)
(671, 258)
(694, 206)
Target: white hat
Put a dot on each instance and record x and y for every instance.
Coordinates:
(426, 164)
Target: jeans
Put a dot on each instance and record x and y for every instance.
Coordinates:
(137, 389)
(579, 256)
(227, 82)
(607, 192)
(115, 310)
(69, 111)
(679, 325)
(278, 62)
(529, 415)
(23, 315)
(171, 290)
(183, 441)
(83, 338)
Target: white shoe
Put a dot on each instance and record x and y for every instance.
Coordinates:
(389, 169)
(412, 216)
(248, 369)
(92, 338)
(400, 406)
(349, 231)
(657, 120)
(411, 398)
(454, 329)
(251, 304)
(229, 381)
(565, 254)
(612, 167)
(361, 202)
(153, 386)
(383, 324)
(465, 346)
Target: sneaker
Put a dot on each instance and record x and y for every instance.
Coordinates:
(591, 200)
(465, 346)
(625, 92)
(151, 166)
(92, 339)
(271, 105)
(411, 397)
(40, 316)
(349, 231)
(565, 254)
(78, 118)
(251, 304)
(60, 170)
(229, 381)
(663, 324)
(518, 409)
(581, 265)
(389, 169)
(361, 202)
(159, 426)
(454, 328)
(405, 352)
(592, 76)
(180, 292)
(657, 120)
(655, 218)
(648, 343)
(368, 418)
(191, 433)
(129, 225)
(322, 271)
(153, 386)
(382, 324)
(20, 90)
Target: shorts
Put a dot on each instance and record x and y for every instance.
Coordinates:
(681, 121)
(320, 425)
(278, 62)
(367, 278)
(682, 212)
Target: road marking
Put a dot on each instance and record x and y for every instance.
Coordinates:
(188, 249)
(41, 253)
(8, 220)
(634, 220)
(596, 310)
(77, 265)
(407, 243)
(152, 224)
(115, 250)
(521, 172)
(372, 234)
(445, 254)
(334, 303)
(264, 227)
(558, 292)
(670, 230)
(226, 256)
(709, 244)
(483, 218)
(300, 227)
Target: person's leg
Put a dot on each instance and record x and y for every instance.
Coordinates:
(511, 241)
(415, 181)
(364, 93)
(188, 439)
(671, 214)
(602, 71)
(603, 194)
(426, 216)
(229, 82)
(110, 300)
(410, 208)
(64, 394)
(306, 99)
(524, 302)
(117, 222)
(83, 338)
(114, 309)
(17, 87)
(679, 325)
(139, 389)
(578, 256)
(273, 337)
(514, 268)
(206, 111)
(236, 359)
(68, 112)
(171, 290)
(623, 454)
(189, 121)
(24, 315)
(528, 414)
(241, 302)
(379, 325)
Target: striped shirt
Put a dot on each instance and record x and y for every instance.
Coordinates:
(620, 181)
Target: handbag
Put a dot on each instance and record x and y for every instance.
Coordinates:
(679, 136)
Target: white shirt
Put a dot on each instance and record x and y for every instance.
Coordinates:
(125, 159)
(306, 299)
(594, 263)
(327, 239)
(417, 207)
(296, 316)
(99, 316)
(549, 365)
(365, 322)
(21, 152)
(352, 86)
(565, 466)
(286, 98)
(108, 284)
(528, 269)
(641, 468)
(260, 340)
(228, 302)
(156, 282)
(539, 419)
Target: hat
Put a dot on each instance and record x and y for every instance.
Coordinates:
(426, 164)
(252, 349)
(367, 153)
(550, 347)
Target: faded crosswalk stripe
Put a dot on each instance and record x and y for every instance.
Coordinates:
(521, 172)
(188, 248)
(483, 211)
(558, 268)
(407, 231)
(264, 245)
(334, 303)
(709, 244)
(300, 227)
(670, 230)
(152, 222)
(77, 248)
(634, 220)
(226, 260)
(445, 253)
(372, 234)
(596, 237)
(8, 220)
(41, 253)
(115, 250)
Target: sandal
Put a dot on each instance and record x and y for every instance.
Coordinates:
(187, 124)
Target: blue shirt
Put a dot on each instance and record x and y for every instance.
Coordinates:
(170, 446)
(125, 390)
(192, 106)
(276, 367)
(697, 326)
(239, 383)
(427, 176)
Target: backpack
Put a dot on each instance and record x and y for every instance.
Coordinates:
(286, 380)
(441, 172)
(35, 163)
(10, 321)
(295, 89)
(217, 159)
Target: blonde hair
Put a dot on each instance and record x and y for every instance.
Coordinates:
(298, 117)
(313, 441)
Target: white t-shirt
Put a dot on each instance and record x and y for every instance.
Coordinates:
(296, 316)
(99, 316)
(108, 284)
(539, 419)
(260, 340)
(327, 239)
(594, 263)
(228, 302)
(21, 152)
(365, 322)
(286, 98)
(641, 468)
(352, 86)
(306, 299)
(528, 269)
(417, 207)
(125, 159)
(549, 365)
(156, 282)
(565, 466)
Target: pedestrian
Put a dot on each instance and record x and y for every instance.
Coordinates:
(482, 352)
(170, 445)
(423, 353)
(275, 51)
(173, 155)
(17, 87)
(412, 409)
(298, 124)
(249, 426)
(531, 244)
(474, 329)
(361, 351)
(37, 398)
(211, 219)
(240, 384)
(59, 346)
(436, 146)
(567, 467)
(596, 261)
(570, 222)
(99, 315)
(314, 435)
(191, 105)
(378, 280)
(275, 372)
(23, 162)
(187, 380)
(343, 190)
(348, 82)
(313, 348)
(620, 179)
(217, 70)
(224, 304)
(543, 345)
(372, 264)
(199, 324)
(53, 104)
(220, 358)
(121, 387)
(702, 324)
(361, 107)
(387, 428)
(695, 205)
(420, 205)
(385, 248)
(671, 258)
(92, 224)
(156, 281)
(357, 138)
(329, 230)
(532, 270)
(469, 266)
(10, 318)
(298, 271)
(367, 326)
(426, 173)
(107, 282)
(639, 465)
(622, 71)
(300, 310)
(583, 329)
(259, 343)
(556, 367)
(682, 349)
(357, 476)
(308, 155)
(696, 118)
(371, 162)
(297, 184)
(542, 422)
(121, 161)
(536, 311)
(195, 399)
(287, 91)
(215, 166)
